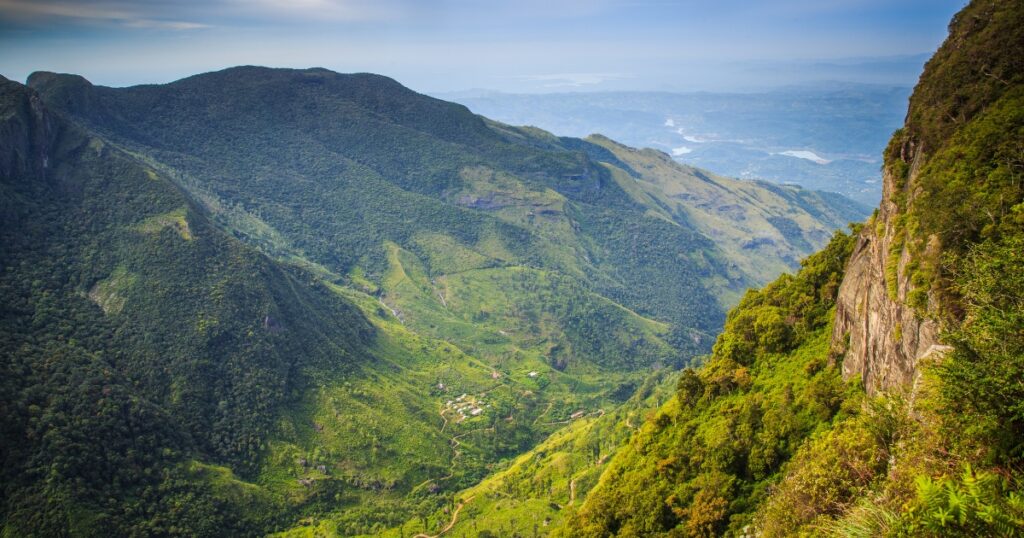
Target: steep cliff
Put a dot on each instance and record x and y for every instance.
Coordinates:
(940, 197)
(881, 335)
(765, 439)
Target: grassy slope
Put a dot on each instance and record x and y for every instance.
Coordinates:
(388, 436)
(535, 491)
(763, 229)
(702, 464)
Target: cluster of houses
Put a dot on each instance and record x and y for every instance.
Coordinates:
(466, 406)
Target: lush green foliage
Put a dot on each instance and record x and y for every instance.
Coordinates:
(945, 462)
(972, 504)
(704, 461)
(137, 336)
(980, 60)
(981, 379)
(945, 459)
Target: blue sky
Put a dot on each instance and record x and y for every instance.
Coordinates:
(511, 45)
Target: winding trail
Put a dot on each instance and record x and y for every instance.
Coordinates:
(535, 421)
(455, 444)
(443, 417)
(455, 518)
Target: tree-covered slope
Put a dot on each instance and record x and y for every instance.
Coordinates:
(137, 336)
(702, 464)
(766, 439)
(330, 168)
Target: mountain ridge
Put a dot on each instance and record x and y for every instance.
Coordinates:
(330, 296)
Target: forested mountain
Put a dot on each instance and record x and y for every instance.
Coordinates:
(329, 167)
(876, 392)
(254, 296)
(136, 338)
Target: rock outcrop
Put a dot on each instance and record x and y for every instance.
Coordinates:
(895, 279)
(882, 338)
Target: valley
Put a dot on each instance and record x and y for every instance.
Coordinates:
(300, 303)
(504, 284)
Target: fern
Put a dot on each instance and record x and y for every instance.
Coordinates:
(977, 503)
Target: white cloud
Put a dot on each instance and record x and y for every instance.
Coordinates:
(670, 122)
(168, 25)
(320, 10)
(120, 13)
(807, 155)
(681, 150)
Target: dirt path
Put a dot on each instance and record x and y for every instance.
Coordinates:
(455, 444)
(572, 491)
(441, 412)
(393, 311)
(455, 519)
(544, 413)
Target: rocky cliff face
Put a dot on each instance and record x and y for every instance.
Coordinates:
(947, 185)
(883, 338)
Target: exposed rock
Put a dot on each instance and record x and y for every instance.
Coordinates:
(485, 202)
(886, 337)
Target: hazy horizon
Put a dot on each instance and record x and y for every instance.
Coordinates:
(456, 45)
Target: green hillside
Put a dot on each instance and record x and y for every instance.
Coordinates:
(704, 461)
(165, 378)
(762, 228)
(138, 337)
(329, 168)
(766, 438)
(255, 297)
(258, 299)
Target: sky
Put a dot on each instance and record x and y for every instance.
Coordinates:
(503, 45)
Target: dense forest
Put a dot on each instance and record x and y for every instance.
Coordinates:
(137, 336)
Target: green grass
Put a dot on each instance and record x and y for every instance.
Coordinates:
(172, 219)
(109, 293)
(385, 433)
